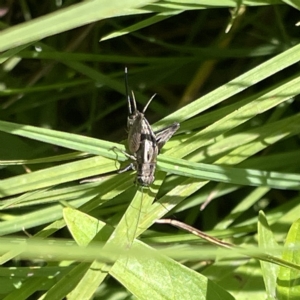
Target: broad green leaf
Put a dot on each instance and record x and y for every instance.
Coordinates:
(288, 281)
(82, 226)
(159, 277)
(144, 276)
(242, 279)
(267, 242)
(122, 238)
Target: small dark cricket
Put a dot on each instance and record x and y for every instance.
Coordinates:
(143, 144)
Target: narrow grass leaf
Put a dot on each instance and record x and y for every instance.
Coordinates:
(145, 23)
(67, 18)
(237, 85)
(55, 175)
(230, 174)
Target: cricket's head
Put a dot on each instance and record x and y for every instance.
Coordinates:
(144, 180)
(133, 113)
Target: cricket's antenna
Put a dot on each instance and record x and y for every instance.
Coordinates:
(133, 101)
(127, 92)
(146, 106)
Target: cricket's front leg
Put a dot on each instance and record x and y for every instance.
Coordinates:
(125, 153)
(131, 166)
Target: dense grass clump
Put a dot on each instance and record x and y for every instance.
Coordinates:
(228, 73)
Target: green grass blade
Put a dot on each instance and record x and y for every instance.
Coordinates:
(67, 18)
(237, 85)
